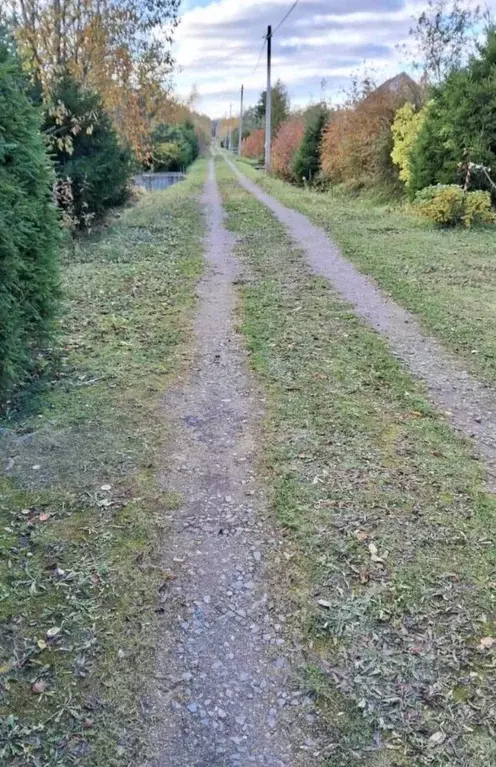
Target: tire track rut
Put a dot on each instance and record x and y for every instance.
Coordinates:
(470, 405)
(227, 692)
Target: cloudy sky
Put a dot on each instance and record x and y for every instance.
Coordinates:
(218, 43)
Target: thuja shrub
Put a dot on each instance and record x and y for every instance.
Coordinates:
(29, 231)
(86, 150)
(460, 125)
(306, 163)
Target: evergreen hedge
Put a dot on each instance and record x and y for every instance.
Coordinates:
(29, 230)
(86, 150)
(175, 146)
(460, 126)
(306, 163)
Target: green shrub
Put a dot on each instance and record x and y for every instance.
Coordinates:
(29, 230)
(443, 204)
(185, 139)
(460, 125)
(86, 151)
(306, 163)
(478, 210)
(353, 186)
(321, 183)
(166, 156)
(449, 205)
(405, 129)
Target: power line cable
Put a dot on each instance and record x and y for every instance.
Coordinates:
(261, 54)
(236, 50)
(228, 56)
(212, 63)
(285, 16)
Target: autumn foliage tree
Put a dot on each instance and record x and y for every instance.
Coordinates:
(227, 128)
(254, 145)
(285, 146)
(338, 159)
(108, 46)
(357, 143)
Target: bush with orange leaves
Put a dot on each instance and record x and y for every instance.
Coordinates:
(357, 143)
(254, 145)
(286, 144)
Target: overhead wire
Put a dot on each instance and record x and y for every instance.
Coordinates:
(236, 50)
(212, 63)
(286, 15)
(261, 54)
(228, 56)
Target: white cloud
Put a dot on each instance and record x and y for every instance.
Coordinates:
(218, 44)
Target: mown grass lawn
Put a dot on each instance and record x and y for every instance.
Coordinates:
(82, 516)
(391, 536)
(446, 277)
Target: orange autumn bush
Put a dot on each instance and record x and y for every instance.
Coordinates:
(254, 145)
(286, 144)
(338, 158)
(357, 143)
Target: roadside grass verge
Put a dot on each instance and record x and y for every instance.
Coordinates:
(81, 514)
(389, 535)
(247, 161)
(446, 277)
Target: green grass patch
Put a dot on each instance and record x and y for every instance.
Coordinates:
(446, 277)
(82, 516)
(245, 161)
(393, 535)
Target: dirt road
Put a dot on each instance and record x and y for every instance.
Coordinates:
(227, 694)
(470, 405)
(228, 689)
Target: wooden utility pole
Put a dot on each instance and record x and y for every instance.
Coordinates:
(230, 127)
(240, 137)
(268, 102)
